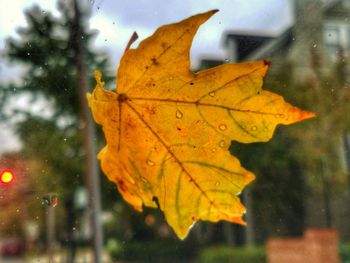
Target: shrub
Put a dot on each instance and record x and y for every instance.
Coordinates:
(228, 254)
(152, 252)
(345, 252)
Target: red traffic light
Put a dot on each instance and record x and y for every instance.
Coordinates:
(6, 177)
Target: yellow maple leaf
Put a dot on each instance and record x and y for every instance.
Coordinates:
(168, 129)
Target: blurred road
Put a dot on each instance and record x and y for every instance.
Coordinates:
(82, 257)
(11, 260)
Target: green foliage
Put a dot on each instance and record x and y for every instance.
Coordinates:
(279, 190)
(166, 251)
(46, 47)
(345, 252)
(226, 254)
(59, 152)
(51, 136)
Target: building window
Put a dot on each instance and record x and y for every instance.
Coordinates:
(332, 35)
(332, 41)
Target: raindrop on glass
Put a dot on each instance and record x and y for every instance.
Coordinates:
(222, 127)
(179, 114)
(150, 163)
(222, 143)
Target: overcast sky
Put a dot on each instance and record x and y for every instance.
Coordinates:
(117, 20)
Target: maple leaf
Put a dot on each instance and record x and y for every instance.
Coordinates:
(168, 129)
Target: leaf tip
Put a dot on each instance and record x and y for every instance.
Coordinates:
(209, 13)
(304, 115)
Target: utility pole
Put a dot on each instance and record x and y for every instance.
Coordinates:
(89, 137)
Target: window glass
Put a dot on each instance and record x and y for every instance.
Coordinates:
(57, 203)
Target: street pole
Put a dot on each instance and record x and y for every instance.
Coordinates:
(50, 230)
(89, 139)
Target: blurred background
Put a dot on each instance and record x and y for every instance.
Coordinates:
(55, 204)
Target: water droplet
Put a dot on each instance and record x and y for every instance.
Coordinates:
(314, 46)
(65, 139)
(212, 94)
(17, 210)
(213, 150)
(222, 127)
(265, 129)
(131, 180)
(179, 114)
(222, 143)
(217, 183)
(253, 128)
(28, 53)
(150, 163)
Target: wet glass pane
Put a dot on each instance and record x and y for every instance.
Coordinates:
(58, 205)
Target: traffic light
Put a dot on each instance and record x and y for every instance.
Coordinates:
(6, 177)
